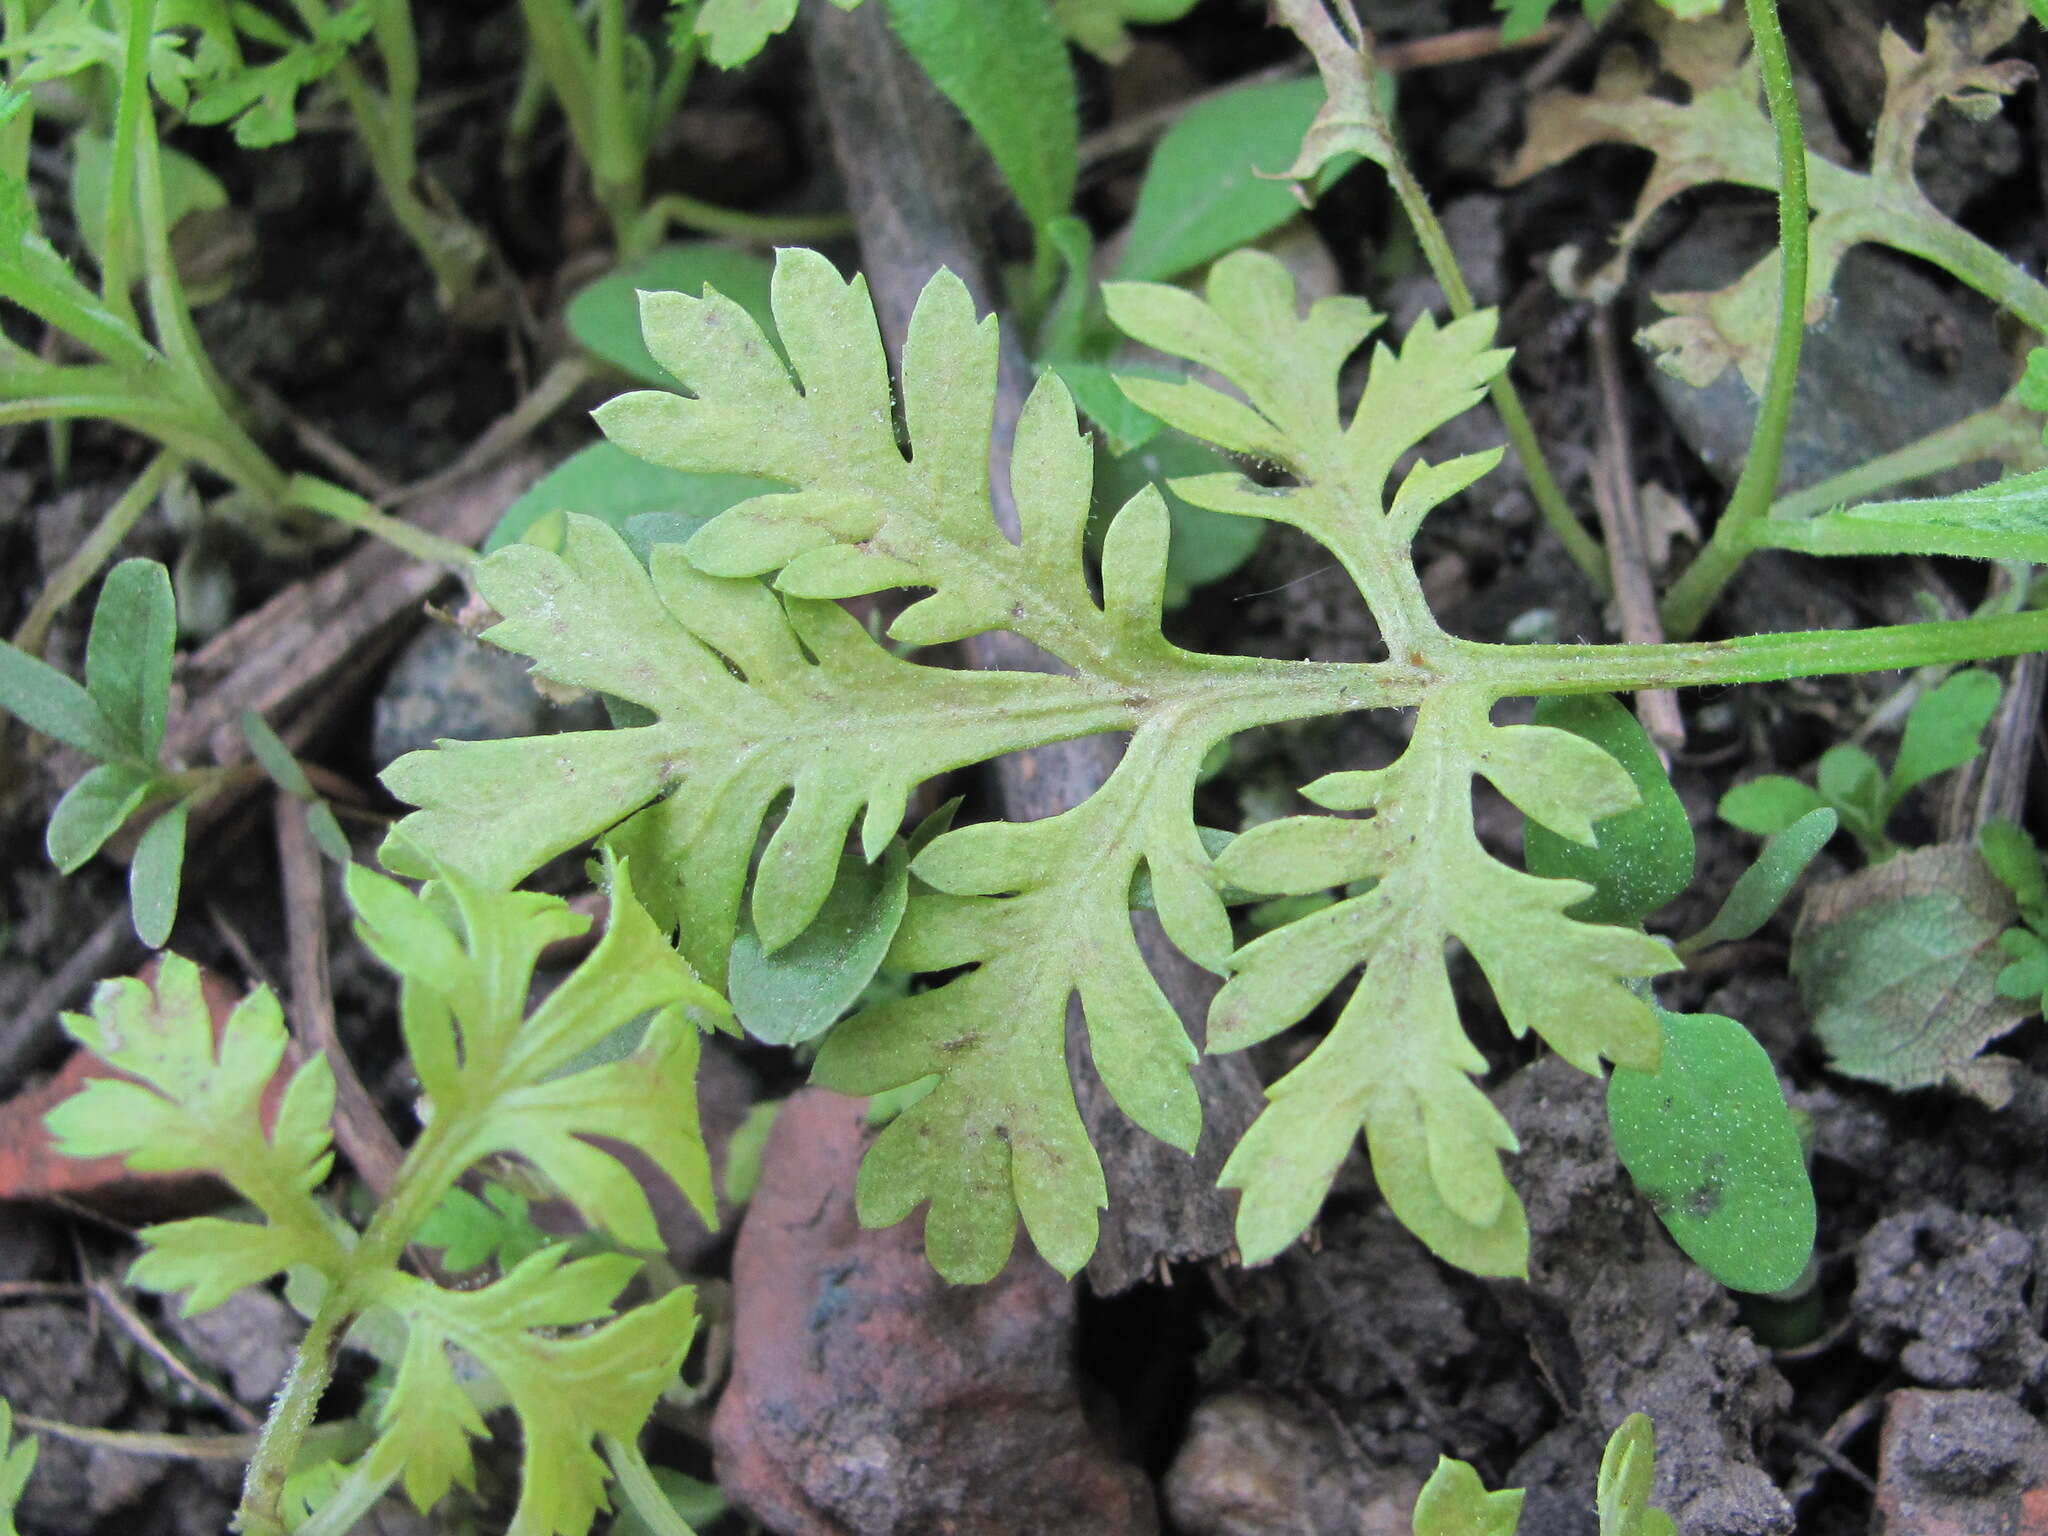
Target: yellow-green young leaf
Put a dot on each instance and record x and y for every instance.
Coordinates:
(1943, 731)
(1041, 913)
(735, 30)
(1398, 1063)
(513, 1082)
(752, 696)
(1626, 1469)
(189, 1103)
(1248, 329)
(605, 315)
(17, 1461)
(1454, 1502)
(567, 1381)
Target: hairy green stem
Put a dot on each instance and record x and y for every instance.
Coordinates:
(2004, 431)
(291, 1415)
(1695, 593)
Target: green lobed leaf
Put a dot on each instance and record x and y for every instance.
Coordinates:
(800, 991)
(1644, 855)
(1712, 1145)
(1398, 1061)
(1004, 64)
(260, 101)
(1040, 912)
(1755, 897)
(1454, 1502)
(93, 810)
(568, 1382)
(1211, 185)
(190, 1103)
(1899, 965)
(155, 875)
(483, 1060)
(1205, 546)
(1943, 731)
(472, 1232)
(746, 689)
(1248, 329)
(604, 316)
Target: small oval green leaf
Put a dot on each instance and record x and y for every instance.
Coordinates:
(1711, 1143)
(604, 316)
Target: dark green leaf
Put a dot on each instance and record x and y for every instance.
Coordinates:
(128, 654)
(155, 876)
(604, 316)
(1756, 897)
(1004, 64)
(1943, 731)
(1899, 966)
(1212, 185)
(1712, 1145)
(92, 811)
(609, 484)
(1644, 855)
(45, 700)
(800, 990)
(1769, 805)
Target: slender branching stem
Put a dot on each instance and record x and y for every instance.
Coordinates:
(1694, 595)
(70, 578)
(710, 218)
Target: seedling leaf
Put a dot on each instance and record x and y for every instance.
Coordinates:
(1626, 1470)
(1756, 896)
(1454, 1502)
(17, 1461)
(1711, 1143)
(1943, 731)
(2006, 520)
(1643, 856)
(611, 485)
(1770, 805)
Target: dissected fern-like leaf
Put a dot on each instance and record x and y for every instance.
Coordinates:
(771, 696)
(564, 1087)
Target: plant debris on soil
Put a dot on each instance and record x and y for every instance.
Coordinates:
(845, 1387)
